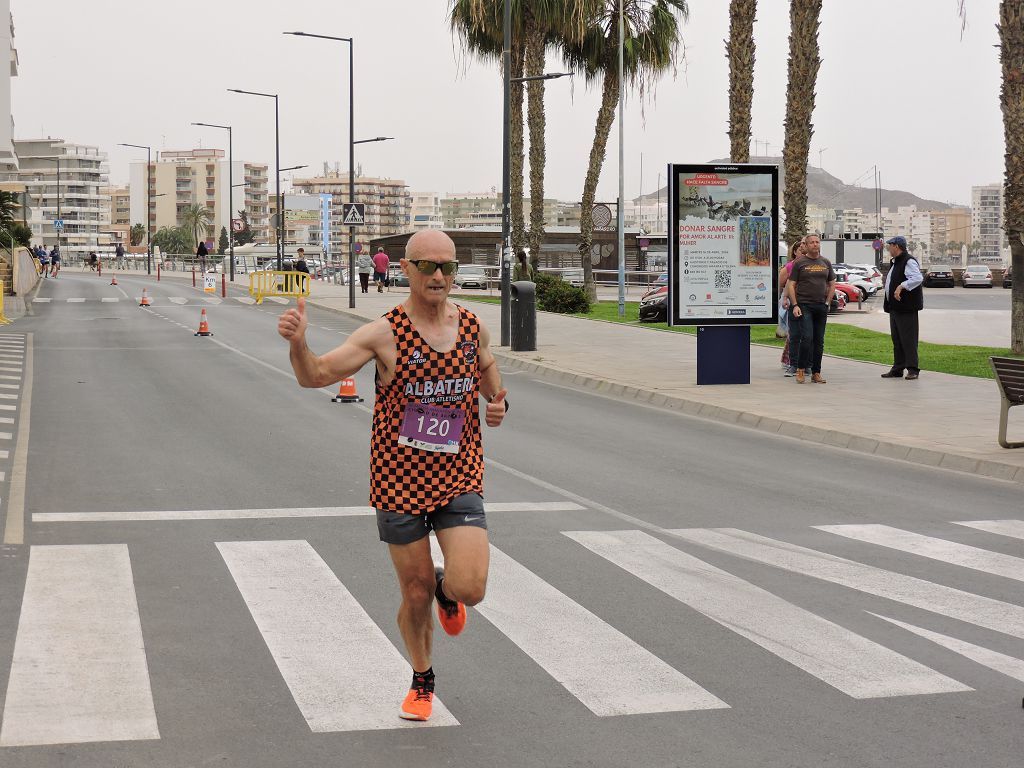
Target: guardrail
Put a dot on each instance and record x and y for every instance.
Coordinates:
(285, 284)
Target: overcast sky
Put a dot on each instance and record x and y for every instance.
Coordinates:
(897, 88)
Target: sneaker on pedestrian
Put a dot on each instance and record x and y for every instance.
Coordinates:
(450, 613)
(790, 370)
(419, 701)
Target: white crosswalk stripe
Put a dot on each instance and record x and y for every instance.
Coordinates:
(1012, 528)
(110, 300)
(79, 672)
(76, 301)
(846, 661)
(946, 601)
(177, 299)
(41, 300)
(975, 558)
(335, 660)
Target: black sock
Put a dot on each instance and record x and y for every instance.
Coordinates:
(428, 677)
(440, 595)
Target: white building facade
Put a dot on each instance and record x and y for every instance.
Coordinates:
(8, 157)
(987, 222)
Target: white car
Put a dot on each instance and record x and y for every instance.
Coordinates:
(856, 279)
(874, 273)
(471, 276)
(977, 274)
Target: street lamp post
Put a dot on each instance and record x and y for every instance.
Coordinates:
(277, 167)
(231, 193)
(149, 203)
(622, 164)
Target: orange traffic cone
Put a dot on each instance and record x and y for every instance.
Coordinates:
(113, 280)
(145, 300)
(204, 327)
(347, 392)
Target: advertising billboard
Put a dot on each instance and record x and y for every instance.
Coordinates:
(723, 244)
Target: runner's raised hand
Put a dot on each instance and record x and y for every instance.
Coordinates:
(292, 323)
(496, 408)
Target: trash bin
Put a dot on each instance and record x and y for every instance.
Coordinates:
(523, 316)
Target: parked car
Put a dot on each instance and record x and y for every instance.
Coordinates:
(977, 275)
(1007, 278)
(853, 293)
(471, 276)
(662, 280)
(873, 273)
(396, 277)
(858, 279)
(838, 302)
(939, 275)
(654, 304)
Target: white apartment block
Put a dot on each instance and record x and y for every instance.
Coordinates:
(987, 222)
(388, 207)
(648, 213)
(182, 178)
(426, 211)
(461, 210)
(8, 157)
(78, 198)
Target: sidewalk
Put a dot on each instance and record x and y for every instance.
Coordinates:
(949, 421)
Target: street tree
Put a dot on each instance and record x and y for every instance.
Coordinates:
(245, 235)
(739, 50)
(198, 219)
(804, 62)
(652, 40)
(137, 234)
(174, 240)
(222, 243)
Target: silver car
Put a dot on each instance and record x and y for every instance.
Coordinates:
(977, 275)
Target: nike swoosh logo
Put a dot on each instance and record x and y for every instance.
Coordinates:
(472, 518)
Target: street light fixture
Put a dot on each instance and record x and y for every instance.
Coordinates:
(149, 203)
(277, 164)
(231, 198)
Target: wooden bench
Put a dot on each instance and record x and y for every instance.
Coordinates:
(1010, 377)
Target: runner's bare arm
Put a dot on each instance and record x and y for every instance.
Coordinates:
(490, 382)
(322, 371)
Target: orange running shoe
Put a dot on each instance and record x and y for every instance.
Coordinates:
(450, 613)
(419, 702)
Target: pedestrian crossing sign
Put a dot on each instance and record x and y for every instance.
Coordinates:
(353, 214)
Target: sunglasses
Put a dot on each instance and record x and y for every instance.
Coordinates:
(428, 267)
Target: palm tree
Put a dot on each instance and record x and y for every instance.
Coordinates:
(651, 43)
(1011, 102)
(804, 61)
(9, 206)
(197, 218)
(739, 49)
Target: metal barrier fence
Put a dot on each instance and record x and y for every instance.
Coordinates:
(285, 284)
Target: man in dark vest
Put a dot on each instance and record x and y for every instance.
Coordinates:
(904, 298)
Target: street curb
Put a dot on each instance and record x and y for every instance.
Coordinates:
(805, 432)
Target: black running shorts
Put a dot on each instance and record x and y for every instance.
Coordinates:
(404, 528)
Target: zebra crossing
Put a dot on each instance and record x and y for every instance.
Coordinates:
(14, 351)
(79, 669)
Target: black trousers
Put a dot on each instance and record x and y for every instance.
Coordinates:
(364, 281)
(807, 336)
(903, 328)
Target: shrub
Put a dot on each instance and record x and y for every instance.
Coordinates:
(544, 281)
(563, 298)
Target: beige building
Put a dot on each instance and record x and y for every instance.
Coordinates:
(483, 209)
(184, 178)
(388, 206)
(119, 216)
(66, 182)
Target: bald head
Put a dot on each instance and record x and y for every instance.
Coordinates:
(430, 242)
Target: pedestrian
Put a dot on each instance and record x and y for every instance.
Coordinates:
(300, 265)
(426, 452)
(904, 298)
(380, 268)
(788, 358)
(55, 261)
(811, 284)
(119, 256)
(201, 253)
(364, 265)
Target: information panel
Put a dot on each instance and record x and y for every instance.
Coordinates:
(723, 244)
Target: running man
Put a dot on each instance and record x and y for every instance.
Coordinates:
(433, 361)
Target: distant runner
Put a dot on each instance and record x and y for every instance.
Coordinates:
(433, 362)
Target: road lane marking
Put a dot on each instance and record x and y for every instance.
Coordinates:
(8, 407)
(1012, 528)
(9, 377)
(79, 672)
(109, 300)
(75, 301)
(245, 300)
(963, 555)
(177, 299)
(945, 601)
(342, 671)
(6, 420)
(250, 514)
(212, 300)
(838, 657)
(12, 368)
(4, 455)
(1000, 662)
(275, 299)
(39, 300)
(14, 527)
(609, 673)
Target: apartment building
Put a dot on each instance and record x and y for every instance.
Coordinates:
(119, 216)
(180, 179)
(425, 212)
(987, 222)
(388, 206)
(65, 182)
(461, 210)
(8, 157)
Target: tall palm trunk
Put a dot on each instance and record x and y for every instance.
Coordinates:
(516, 148)
(804, 61)
(740, 52)
(536, 35)
(1011, 41)
(605, 118)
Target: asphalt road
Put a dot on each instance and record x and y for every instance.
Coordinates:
(622, 627)
(968, 298)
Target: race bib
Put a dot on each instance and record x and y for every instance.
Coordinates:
(432, 428)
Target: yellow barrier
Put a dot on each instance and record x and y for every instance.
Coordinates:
(290, 284)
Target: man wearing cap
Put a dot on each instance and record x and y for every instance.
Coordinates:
(904, 298)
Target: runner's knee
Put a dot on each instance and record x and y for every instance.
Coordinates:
(418, 590)
(468, 591)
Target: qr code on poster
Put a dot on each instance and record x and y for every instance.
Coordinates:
(723, 278)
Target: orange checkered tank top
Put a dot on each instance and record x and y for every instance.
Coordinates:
(405, 477)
